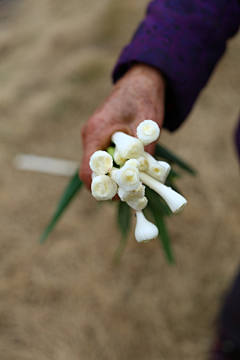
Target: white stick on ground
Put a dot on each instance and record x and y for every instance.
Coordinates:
(45, 165)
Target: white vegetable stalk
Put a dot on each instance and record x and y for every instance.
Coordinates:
(103, 188)
(145, 230)
(101, 162)
(118, 158)
(175, 201)
(128, 146)
(133, 162)
(127, 177)
(165, 165)
(148, 131)
(167, 168)
(143, 163)
(155, 169)
(139, 204)
(131, 195)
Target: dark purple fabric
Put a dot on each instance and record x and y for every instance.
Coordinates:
(238, 140)
(184, 39)
(227, 345)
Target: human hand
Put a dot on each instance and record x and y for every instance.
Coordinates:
(137, 96)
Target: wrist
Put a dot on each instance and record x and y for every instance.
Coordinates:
(147, 71)
(146, 74)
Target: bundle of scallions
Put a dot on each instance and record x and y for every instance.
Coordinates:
(143, 183)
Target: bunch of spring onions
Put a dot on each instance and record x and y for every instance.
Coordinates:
(126, 169)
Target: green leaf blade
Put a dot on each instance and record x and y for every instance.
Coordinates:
(168, 155)
(124, 216)
(173, 174)
(124, 221)
(165, 239)
(111, 151)
(69, 193)
(160, 223)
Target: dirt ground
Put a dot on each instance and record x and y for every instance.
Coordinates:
(66, 300)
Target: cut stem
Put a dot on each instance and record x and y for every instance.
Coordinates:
(175, 201)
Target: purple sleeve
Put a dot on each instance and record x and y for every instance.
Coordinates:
(237, 139)
(184, 39)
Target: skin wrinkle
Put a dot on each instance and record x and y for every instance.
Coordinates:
(137, 96)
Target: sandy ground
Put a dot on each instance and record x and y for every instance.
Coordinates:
(66, 299)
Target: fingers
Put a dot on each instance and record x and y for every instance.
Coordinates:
(96, 135)
(150, 148)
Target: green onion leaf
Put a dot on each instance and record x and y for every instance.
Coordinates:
(173, 175)
(70, 191)
(111, 150)
(164, 237)
(167, 155)
(124, 216)
(124, 220)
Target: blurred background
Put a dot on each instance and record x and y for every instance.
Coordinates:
(66, 299)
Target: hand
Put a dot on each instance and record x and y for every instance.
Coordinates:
(137, 96)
